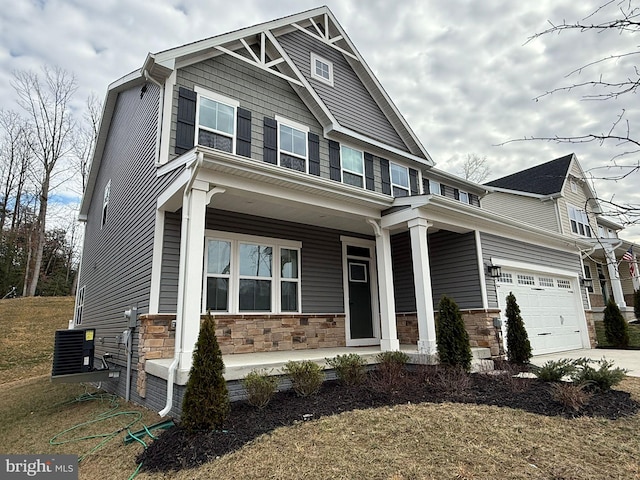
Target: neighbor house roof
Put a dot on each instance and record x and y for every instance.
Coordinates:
(545, 179)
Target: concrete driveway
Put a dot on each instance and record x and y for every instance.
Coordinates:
(629, 359)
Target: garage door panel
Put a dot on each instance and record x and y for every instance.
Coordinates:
(548, 309)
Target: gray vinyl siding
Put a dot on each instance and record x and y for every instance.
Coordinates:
(348, 99)
(264, 94)
(170, 263)
(525, 209)
(117, 257)
(494, 246)
(321, 255)
(454, 270)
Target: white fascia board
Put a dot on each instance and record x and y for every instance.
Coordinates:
(199, 46)
(516, 265)
(457, 181)
(337, 128)
(543, 198)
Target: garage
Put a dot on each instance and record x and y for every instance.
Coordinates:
(550, 306)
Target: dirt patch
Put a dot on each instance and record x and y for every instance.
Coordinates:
(177, 449)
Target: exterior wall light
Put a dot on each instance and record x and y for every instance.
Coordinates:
(494, 271)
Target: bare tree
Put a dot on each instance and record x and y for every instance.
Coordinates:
(86, 136)
(475, 168)
(46, 100)
(612, 77)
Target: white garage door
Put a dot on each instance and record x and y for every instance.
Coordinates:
(550, 306)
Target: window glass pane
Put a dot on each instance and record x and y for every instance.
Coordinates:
(294, 163)
(351, 179)
(357, 251)
(434, 188)
(289, 296)
(289, 263)
(255, 260)
(218, 257)
(322, 69)
(352, 159)
(299, 143)
(216, 115)
(400, 192)
(215, 140)
(399, 175)
(217, 294)
(464, 197)
(255, 295)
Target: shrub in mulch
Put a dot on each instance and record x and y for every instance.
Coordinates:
(177, 449)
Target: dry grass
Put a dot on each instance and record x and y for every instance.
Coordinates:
(28, 326)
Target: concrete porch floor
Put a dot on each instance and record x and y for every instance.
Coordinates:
(238, 365)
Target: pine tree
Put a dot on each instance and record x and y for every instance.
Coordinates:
(518, 345)
(451, 336)
(616, 330)
(206, 400)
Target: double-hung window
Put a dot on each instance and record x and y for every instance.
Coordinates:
(463, 196)
(579, 221)
(251, 274)
(399, 180)
(292, 145)
(434, 188)
(105, 203)
(352, 166)
(216, 121)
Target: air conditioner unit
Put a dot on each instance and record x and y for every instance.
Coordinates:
(73, 351)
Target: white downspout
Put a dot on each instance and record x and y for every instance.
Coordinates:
(181, 281)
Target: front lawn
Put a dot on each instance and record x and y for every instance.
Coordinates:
(634, 335)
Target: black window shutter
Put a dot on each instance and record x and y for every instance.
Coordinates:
(456, 193)
(368, 171)
(243, 133)
(413, 181)
(270, 150)
(334, 161)
(386, 179)
(186, 124)
(314, 153)
(474, 200)
(425, 186)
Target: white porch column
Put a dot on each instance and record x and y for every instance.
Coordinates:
(614, 276)
(192, 254)
(422, 281)
(388, 329)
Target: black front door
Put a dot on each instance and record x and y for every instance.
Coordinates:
(360, 317)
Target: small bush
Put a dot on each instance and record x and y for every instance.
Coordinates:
(260, 387)
(350, 368)
(306, 377)
(616, 330)
(601, 379)
(571, 395)
(390, 369)
(452, 338)
(518, 345)
(453, 380)
(554, 371)
(636, 304)
(206, 399)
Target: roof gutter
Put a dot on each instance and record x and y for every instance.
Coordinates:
(181, 281)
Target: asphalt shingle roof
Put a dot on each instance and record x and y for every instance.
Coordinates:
(545, 179)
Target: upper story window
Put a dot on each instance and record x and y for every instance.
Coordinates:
(352, 162)
(606, 232)
(399, 180)
(463, 196)
(321, 69)
(216, 121)
(79, 305)
(579, 221)
(292, 144)
(435, 188)
(574, 186)
(105, 203)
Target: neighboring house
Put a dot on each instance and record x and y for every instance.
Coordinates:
(555, 195)
(265, 176)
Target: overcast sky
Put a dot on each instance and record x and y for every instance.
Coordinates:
(461, 72)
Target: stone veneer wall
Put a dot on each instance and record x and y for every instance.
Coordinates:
(270, 333)
(479, 324)
(156, 340)
(591, 328)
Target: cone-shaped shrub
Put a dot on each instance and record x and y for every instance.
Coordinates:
(206, 400)
(518, 346)
(636, 304)
(616, 330)
(451, 336)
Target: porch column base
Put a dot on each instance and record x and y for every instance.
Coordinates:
(390, 345)
(427, 347)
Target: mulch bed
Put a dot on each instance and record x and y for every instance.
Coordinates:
(177, 449)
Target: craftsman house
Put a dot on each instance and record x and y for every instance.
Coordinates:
(556, 196)
(265, 176)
